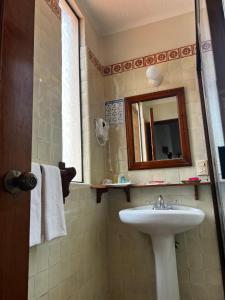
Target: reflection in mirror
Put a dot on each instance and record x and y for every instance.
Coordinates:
(156, 130)
(157, 135)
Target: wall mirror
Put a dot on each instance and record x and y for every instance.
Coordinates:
(157, 132)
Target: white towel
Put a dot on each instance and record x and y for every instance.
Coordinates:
(35, 208)
(52, 199)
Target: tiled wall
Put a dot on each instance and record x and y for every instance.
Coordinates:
(47, 123)
(131, 258)
(132, 273)
(177, 73)
(75, 266)
(96, 108)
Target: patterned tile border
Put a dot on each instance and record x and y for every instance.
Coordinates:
(148, 60)
(54, 5)
(206, 46)
(94, 60)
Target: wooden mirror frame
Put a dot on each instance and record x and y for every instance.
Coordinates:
(184, 138)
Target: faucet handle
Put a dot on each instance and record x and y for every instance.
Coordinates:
(159, 203)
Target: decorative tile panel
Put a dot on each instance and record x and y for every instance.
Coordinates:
(152, 59)
(114, 112)
(54, 5)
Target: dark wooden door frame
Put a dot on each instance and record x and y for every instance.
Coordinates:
(16, 97)
(217, 28)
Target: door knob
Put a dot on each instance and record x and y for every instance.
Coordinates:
(16, 181)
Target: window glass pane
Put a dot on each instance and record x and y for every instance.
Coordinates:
(71, 107)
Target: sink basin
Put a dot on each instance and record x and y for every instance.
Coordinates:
(162, 222)
(162, 225)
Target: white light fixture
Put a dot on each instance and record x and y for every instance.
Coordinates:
(154, 76)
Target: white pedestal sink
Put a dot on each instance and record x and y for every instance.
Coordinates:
(162, 225)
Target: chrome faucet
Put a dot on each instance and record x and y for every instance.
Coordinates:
(161, 204)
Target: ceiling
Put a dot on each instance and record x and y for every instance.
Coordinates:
(111, 16)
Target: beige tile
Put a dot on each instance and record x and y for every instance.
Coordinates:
(33, 261)
(56, 293)
(213, 277)
(41, 283)
(55, 275)
(185, 291)
(54, 253)
(44, 297)
(31, 288)
(66, 248)
(42, 257)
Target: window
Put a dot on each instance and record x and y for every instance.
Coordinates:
(71, 103)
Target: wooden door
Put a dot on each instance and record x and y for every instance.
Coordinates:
(16, 89)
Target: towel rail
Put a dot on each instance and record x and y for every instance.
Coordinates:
(67, 174)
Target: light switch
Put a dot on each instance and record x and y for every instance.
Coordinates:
(202, 167)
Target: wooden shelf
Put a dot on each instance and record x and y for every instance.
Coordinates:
(101, 189)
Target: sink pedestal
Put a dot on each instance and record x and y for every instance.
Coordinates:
(163, 225)
(166, 267)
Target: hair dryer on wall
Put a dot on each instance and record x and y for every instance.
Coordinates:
(102, 131)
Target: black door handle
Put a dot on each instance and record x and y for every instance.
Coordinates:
(16, 181)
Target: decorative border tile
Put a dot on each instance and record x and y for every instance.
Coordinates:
(138, 63)
(117, 68)
(194, 49)
(54, 5)
(173, 54)
(127, 65)
(206, 46)
(161, 57)
(107, 70)
(97, 63)
(186, 51)
(151, 59)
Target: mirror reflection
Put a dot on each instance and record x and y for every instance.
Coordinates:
(156, 130)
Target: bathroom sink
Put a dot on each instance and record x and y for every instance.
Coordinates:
(162, 225)
(162, 222)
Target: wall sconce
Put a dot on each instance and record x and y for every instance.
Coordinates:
(154, 76)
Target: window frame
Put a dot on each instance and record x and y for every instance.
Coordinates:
(80, 93)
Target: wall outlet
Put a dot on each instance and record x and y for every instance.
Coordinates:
(202, 167)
